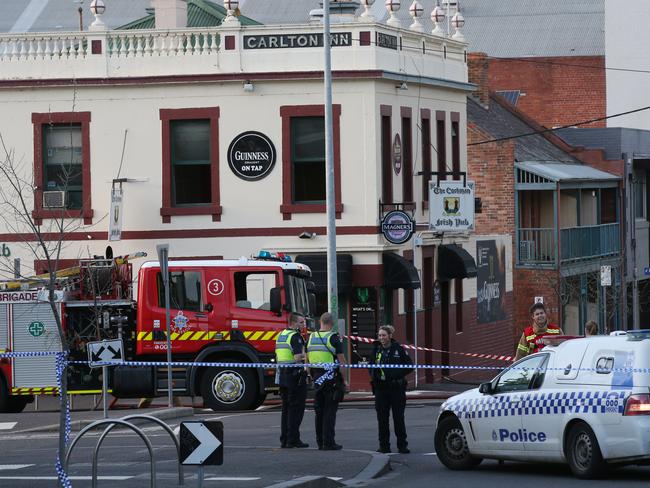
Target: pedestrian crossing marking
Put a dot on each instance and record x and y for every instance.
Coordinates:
(7, 425)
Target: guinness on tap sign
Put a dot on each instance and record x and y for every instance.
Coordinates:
(251, 156)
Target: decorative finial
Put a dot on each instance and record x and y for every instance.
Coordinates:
(97, 8)
(393, 7)
(438, 17)
(457, 22)
(416, 11)
(231, 7)
(366, 16)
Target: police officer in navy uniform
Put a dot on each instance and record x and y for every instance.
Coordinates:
(389, 388)
(325, 347)
(290, 349)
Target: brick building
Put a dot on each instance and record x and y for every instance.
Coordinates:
(551, 198)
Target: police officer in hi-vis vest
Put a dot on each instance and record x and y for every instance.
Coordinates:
(290, 349)
(531, 338)
(324, 347)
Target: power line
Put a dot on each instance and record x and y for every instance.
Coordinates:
(568, 126)
(572, 65)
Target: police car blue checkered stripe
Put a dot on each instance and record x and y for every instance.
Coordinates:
(535, 403)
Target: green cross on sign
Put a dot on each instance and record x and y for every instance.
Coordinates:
(36, 329)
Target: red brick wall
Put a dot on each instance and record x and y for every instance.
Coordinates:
(491, 167)
(531, 283)
(559, 90)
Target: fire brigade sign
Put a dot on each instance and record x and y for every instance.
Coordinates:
(451, 206)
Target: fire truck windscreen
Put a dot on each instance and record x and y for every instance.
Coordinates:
(297, 295)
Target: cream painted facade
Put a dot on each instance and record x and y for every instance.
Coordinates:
(36, 82)
(135, 74)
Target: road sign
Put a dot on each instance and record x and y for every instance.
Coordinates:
(646, 271)
(201, 443)
(539, 300)
(103, 351)
(605, 276)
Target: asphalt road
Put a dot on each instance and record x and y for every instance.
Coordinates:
(253, 459)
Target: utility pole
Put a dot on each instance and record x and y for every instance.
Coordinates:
(332, 285)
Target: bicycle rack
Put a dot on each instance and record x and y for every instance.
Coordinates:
(114, 422)
(156, 420)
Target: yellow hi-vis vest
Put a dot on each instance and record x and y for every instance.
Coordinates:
(319, 348)
(283, 350)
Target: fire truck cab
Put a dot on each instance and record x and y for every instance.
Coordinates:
(221, 311)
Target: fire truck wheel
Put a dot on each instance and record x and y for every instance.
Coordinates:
(18, 403)
(229, 388)
(8, 403)
(4, 396)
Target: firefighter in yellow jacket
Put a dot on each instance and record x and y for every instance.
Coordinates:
(531, 338)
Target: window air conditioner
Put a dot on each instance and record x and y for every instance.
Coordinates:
(53, 199)
(526, 250)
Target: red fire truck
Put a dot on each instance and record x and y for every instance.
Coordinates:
(221, 311)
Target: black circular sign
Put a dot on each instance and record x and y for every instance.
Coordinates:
(251, 155)
(397, 227)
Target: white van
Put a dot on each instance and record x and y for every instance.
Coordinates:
(581, 401)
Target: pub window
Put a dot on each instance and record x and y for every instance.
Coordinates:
(407, 161)
(62, 162)
(190, 158)
(426, 157)
(442, 148)
(308, 159)
(386, 160)
(455, 149)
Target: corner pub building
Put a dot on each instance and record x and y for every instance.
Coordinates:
(218, 136)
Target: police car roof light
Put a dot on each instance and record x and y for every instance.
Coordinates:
(638, 335)
(557, 340)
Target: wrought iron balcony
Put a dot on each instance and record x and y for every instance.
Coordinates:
(589, 242)
(537, 246)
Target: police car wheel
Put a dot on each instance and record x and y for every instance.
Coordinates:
(226, 389)
(451, 445)
(583, 453)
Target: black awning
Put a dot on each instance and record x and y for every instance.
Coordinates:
(455, 262)
(318, 265)
(399, 272)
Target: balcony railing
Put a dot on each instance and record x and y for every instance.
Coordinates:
(589, 242)
(537, 247)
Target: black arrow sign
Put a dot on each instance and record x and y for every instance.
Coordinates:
(117, 353)
(97, 355)
(201, 443)
(109, 350)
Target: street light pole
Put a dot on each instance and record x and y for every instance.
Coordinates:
(332, 285)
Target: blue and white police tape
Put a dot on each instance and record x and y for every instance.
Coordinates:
(220, 364)
(61, 364)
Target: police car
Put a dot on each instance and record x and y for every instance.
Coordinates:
(581, 401)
